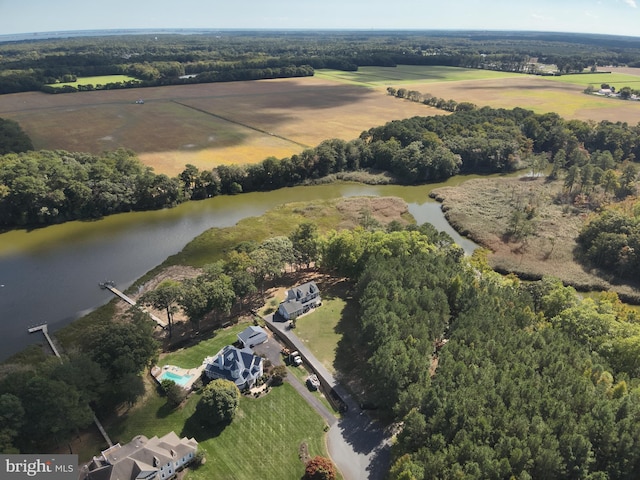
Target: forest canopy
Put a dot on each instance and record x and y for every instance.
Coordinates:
(171, 58)
(597, 161)
(527, 383)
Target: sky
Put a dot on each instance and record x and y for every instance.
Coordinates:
(617, 17)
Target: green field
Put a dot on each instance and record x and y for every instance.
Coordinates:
(618, 80)
(376, 76)
(318, 330)
(269, 429)
(211, 245)
(99, 80)
(192, 357)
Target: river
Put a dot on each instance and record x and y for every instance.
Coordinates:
(51, 275)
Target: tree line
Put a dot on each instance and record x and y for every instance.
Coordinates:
(163, 59)
(45, 187)
(611, 240)
(530, 380)
(596, 160)
(47, 403)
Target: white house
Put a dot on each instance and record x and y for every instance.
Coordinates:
(252, 336)
(241, 367)
(142, 458)
(300, 300)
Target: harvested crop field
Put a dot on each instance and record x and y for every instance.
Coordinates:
(482, 209)
(245, 122)
(539, 94)
(206, 124)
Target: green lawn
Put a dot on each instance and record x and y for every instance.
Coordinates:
(318, 330)
(100, 80)
(263, 440)
(618, 80)
(410, 74)
(192, 357)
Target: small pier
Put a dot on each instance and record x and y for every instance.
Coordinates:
(111, 287)
(44, 329)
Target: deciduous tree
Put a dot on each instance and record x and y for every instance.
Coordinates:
(219, 402)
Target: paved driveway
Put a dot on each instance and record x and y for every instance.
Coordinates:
(358, 446)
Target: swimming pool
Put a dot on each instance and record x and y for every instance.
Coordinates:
(181, 380)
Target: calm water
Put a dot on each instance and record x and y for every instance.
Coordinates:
(51, 275)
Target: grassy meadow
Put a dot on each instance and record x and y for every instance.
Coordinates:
(618, 80)
(97, 80)
(192, 357)
(483, 209)
(376, 76)
(270, 429)
(214, 244)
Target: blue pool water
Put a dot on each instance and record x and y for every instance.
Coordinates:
(179, 379)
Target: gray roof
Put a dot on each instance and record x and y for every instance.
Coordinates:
(251, 332)
(141, 458)
(304, 290)
(240, 366)
(292, 306)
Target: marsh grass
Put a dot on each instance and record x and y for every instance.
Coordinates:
(482, 209)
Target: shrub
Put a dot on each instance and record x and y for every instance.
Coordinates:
(320, 468)
(174, 392)
(278, 375)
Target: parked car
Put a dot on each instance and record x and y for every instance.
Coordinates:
(313, 383)
(295, 358)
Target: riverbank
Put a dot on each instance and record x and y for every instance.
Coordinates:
(482, 211)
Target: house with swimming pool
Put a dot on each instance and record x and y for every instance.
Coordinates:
(240, 366)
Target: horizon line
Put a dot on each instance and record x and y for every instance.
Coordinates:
(41, 35)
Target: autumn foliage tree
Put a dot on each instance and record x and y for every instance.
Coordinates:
(320, 468)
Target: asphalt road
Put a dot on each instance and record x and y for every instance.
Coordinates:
(358, 445)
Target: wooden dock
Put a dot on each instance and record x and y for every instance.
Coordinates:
(44, 329)
(111, 287)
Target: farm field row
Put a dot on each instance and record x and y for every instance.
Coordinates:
(246, 122)
(597, 79)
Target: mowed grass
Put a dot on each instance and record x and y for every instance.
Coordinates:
(98, 80)
(268, 430)
(410, 73)
(192, 357)
(318, 329)
(618, 80)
